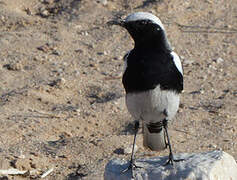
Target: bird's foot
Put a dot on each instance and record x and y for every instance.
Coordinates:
(171, 160)
(132, 166)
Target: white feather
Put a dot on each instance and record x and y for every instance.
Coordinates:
(143, 16)
(125, 64)
(177, 62)
(149, 107)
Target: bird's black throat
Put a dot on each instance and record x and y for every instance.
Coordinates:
(148, 35)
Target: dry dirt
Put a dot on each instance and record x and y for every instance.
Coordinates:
(61, 96)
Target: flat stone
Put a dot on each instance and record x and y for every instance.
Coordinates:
(212, 165)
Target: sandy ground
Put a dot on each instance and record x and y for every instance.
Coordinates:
(61, 96)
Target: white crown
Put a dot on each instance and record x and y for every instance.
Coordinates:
(143, 16)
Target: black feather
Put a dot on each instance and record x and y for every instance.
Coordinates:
(155, 127)
(148, 68)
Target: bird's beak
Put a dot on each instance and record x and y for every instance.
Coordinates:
(119, 22)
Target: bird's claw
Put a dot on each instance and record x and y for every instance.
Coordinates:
(131, 166)
(171, 160)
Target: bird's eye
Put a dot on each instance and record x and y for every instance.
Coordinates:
(142, 23)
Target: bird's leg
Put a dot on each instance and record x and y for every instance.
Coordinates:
(171, 159)
(132, 164)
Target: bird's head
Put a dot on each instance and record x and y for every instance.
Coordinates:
(145, 29)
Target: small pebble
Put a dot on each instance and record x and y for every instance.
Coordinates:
(104, 2)
(102, 53)
(44, 13)
(79, 51)
(58, 82)
(84, 33)
(56, 52)
(212, 146)
(2, 18)
(14, 66)
(219, 60)
(119, 151)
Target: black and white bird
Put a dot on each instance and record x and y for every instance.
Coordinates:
(153, 80)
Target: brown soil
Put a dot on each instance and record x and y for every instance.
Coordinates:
(61, 96)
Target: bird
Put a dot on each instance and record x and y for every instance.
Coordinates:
(153, 81)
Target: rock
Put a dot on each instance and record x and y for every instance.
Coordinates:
(212, 146)
(84, 33)
(58, 82)
(56, 52)
(104, 2)
(119, 151)
(44, 13)
(2, 18)
(15, 66)
(212, 165)
(101, 53)
(219, 60)
(80, 51)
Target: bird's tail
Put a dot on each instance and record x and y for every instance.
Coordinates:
(153, 138)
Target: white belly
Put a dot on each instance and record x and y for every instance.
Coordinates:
(149, 106)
